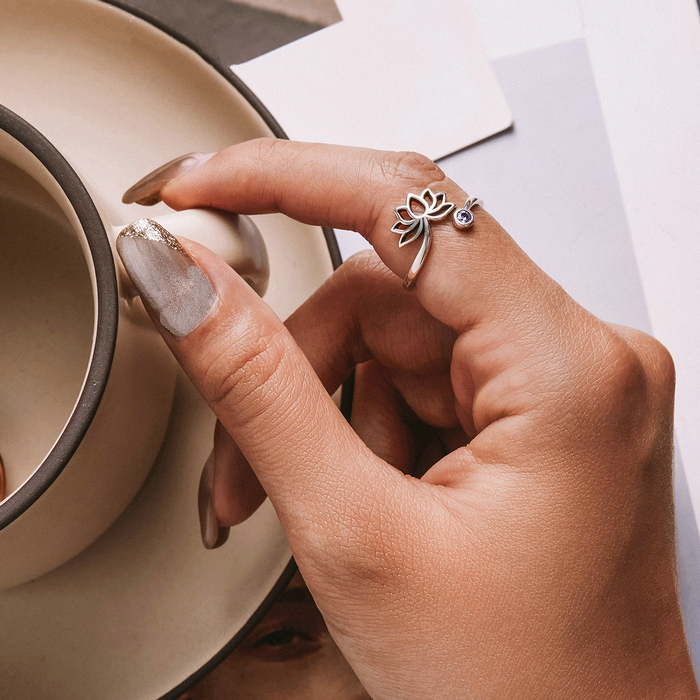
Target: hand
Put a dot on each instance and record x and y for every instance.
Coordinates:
(498, 520)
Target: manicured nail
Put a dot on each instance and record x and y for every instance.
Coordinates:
(147, 190)
(2, 480)
(166, 277)
(213, 533)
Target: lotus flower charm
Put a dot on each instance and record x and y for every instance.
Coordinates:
(414, 221)
(415, 216)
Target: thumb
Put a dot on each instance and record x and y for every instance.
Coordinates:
(251, 372)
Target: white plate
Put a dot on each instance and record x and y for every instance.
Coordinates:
(146, 606)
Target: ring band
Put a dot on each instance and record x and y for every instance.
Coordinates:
(413, 224)
(409, 281)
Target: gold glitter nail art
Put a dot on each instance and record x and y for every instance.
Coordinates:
(152, 231)
(168, 280)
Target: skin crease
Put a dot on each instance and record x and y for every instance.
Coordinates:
(500, 522)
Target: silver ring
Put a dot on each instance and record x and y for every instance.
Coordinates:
(414, 219)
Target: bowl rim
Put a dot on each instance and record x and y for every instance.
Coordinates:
(106, 309)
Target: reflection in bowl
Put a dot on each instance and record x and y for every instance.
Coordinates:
(290, 655)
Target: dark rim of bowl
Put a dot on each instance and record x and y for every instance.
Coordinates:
(336, 259)
(106, 308)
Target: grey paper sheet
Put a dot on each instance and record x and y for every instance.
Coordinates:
(551, 181)
(233, 32)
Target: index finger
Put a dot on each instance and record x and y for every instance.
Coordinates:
(465, 274)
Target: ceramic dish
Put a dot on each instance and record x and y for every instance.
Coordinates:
(146, 610)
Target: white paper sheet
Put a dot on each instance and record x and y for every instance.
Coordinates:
(394, 74)
(646, 61)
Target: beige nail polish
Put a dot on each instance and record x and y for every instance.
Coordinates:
(166, 277)
(213, 533)
(147, 190)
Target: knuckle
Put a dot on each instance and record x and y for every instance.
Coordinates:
(635, 387)
(362, 278)
(642, 367)
(245, 370)
(659, 363)
(409, 169)
(365, 282)
(361, 267)
(358, 263)
(402, 171)
(626, 375)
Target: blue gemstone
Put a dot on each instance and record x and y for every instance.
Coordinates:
(464, 217)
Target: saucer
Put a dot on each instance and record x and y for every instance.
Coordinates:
(146, 610)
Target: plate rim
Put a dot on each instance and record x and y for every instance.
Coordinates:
(336, 260)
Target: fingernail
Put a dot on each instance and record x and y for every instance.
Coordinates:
(166, 277)
(147, 190)
(2, 479)
(213, 533)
